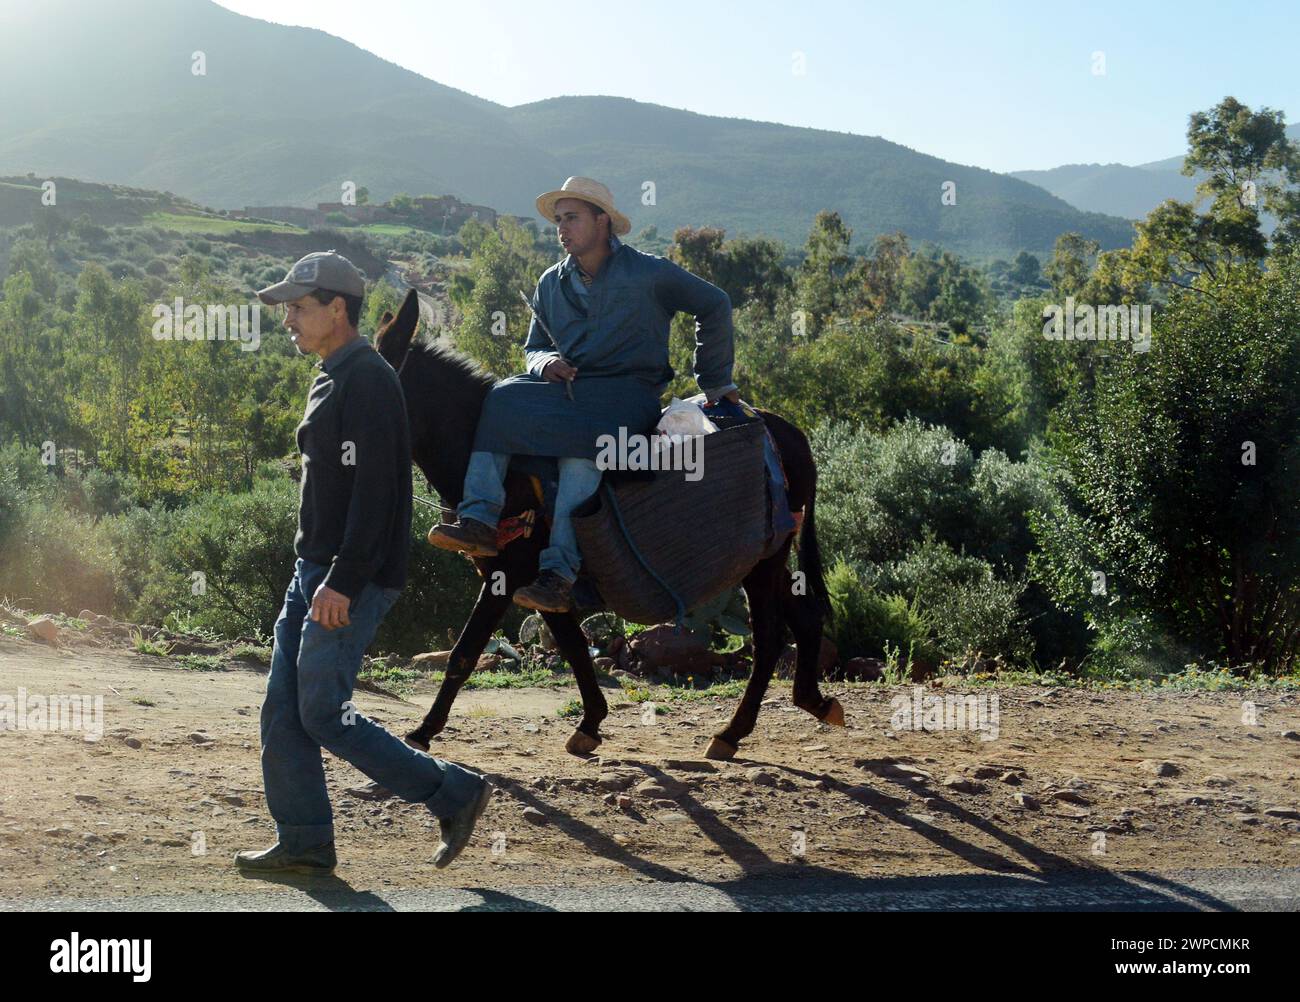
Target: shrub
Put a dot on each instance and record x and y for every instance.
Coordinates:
(866, 622)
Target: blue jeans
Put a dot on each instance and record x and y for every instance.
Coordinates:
(485, 493)
(313, 671)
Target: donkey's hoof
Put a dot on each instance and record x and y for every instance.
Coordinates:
(834, 714)
(581, 743)
(416, 741)
(720, 750)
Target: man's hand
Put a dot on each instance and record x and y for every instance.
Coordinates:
(559, 371)
(330, 608)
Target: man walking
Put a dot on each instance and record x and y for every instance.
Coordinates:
(597, 354)
(354, 526)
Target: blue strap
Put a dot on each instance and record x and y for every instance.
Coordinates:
(618, 517)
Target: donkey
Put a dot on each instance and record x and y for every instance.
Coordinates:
(444, 397)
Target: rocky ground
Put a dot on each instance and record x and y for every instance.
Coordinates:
(171, 789)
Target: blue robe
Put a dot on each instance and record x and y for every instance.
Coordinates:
(616, 335)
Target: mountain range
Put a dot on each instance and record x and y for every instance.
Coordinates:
(1119, 190)
(286, 115)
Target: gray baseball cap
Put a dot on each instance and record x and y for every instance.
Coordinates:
(322, 270)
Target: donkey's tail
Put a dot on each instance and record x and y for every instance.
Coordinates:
(810, 556)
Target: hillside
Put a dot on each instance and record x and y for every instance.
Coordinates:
(286, 115)
(1117, 189)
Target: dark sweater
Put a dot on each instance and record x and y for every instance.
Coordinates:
(355, 510)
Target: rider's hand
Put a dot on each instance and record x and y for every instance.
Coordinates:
(558, 371)
(330, 608)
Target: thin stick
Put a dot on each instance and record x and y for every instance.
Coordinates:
(568, 383)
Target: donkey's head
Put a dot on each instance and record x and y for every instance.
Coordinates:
(444, 395)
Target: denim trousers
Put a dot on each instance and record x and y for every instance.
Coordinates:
(308, 707)
(485, 493)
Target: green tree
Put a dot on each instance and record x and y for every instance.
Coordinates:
(496, 320)
(1071, 264)
(820, 282)
(1178, 479)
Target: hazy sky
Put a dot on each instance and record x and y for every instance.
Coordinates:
(1007, 85)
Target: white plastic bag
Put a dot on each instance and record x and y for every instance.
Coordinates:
(683, 417)
(681, 420)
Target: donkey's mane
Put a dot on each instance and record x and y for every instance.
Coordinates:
(465, 371)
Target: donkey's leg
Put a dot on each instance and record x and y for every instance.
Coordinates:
(488, 611)
(805, 620)
(573, 645)
(769, 630)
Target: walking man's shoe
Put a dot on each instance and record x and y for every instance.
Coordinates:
(317, 861)
(469, 536)
(457, 829)
(549, 593)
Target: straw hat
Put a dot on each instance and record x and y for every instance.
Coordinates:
(589, 191)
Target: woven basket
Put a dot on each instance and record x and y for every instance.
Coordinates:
(699, 538)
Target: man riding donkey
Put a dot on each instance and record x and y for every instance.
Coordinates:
(597, 353)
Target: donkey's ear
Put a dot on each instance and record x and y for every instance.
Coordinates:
(393, 338)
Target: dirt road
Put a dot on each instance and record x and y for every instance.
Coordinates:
(1076, 782)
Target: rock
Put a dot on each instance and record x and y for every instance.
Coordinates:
(85, 798)
(984, 772)
(131, 742)
(1071, 797)
(1289, 735)
(662, 648)
(44, 630)
(689, 765)
(658, 789)
(614, 782)
(862, 670)
(1010, 778)
(962, 785)
(233, 800)
(827, 657)
(1290, 813)
(895, 770)
(1158, 768)
(432, 659)
(1026, 801)
(1246, 819)
(760, 777)
(199, 738)
(534, 816)
(623, 802)
(1217, 780)
(530, 728)
(814, 748)
(487, 662)
(605, 665)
